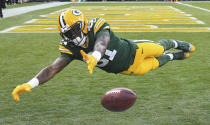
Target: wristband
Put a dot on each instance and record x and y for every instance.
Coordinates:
(97, 55)
(33, 82)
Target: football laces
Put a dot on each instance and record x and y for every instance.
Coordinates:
(113, 91)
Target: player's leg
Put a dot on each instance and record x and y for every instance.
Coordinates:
(143, 65)
(150, 56)
(148, 49)
(180, 55)
(145, 58)
(167, 44)
(170, 56)
(151, 63)
(185, 46)
(148, 64)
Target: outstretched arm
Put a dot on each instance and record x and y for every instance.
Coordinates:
(102, 42)
(99, 50)
(43, 76)
(49, 72)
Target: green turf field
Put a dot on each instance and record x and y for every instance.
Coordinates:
(176, 94)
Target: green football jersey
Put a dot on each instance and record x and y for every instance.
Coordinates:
(119, 54)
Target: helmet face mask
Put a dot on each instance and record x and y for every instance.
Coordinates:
(74, 34)
(72, 27)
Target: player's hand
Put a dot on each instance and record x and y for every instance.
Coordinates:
(90, 60)
(20, 89)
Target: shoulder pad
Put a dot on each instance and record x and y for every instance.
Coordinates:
(97, 24)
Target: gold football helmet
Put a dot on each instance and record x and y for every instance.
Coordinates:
(72, 25)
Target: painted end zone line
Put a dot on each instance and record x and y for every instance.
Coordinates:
(184, 4)
(28, 29)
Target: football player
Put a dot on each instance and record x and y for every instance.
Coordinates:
(94, 43)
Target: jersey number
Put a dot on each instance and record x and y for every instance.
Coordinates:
(103, 62)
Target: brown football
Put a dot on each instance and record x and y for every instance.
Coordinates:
(118, 99)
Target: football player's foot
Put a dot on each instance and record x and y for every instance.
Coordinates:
(185, 46)
(180, 55)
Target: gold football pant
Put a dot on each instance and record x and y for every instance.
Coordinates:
(145, 58)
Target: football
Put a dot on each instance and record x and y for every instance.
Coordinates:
(118, 99)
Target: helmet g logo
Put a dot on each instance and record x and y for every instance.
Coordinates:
(76, 12)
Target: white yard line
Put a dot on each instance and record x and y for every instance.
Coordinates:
(22, 10)
(9, 29)
(31, 21)
(184, 4)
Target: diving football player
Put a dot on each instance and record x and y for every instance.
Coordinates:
(96, 44)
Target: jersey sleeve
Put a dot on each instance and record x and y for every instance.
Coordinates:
(99, 25)
(63, 49)
(65, 53)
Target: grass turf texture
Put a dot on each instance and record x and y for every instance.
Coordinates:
(176, 94)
